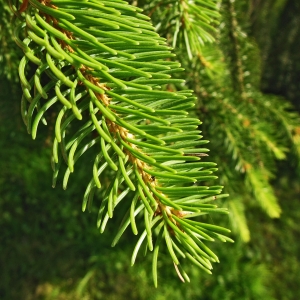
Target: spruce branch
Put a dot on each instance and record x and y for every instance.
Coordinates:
(238, 219)
(101, 68)
(237, 70)
(248, 129)
(187, 24)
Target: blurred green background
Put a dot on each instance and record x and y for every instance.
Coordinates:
(49, 249)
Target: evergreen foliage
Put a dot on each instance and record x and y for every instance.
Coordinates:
(50, 250)
(105, 76)
(249, 131)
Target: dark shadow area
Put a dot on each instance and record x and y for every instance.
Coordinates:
(281, 72)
